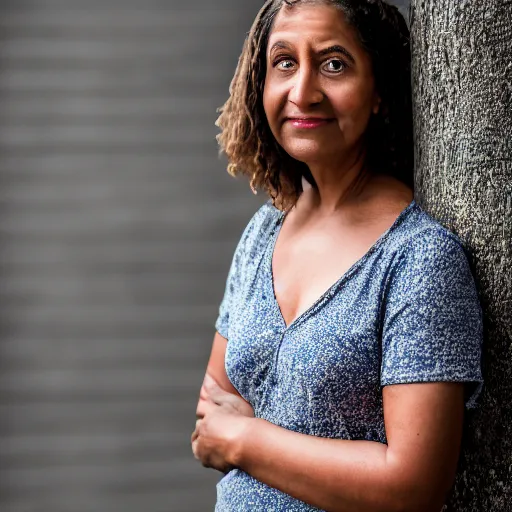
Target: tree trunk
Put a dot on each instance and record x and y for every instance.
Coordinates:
(462, 87)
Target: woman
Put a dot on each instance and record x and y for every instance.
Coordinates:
(349, 337)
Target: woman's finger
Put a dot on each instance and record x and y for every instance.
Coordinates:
(213, 390)
(194, 449)
(195, 434)
(203, 394)
(203, 407)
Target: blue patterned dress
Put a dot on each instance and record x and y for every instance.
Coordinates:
(407, 311)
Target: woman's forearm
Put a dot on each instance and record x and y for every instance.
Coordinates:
(331, 474)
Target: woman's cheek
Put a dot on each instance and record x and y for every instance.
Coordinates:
(354, 116)
(269, 101)
(274, 100)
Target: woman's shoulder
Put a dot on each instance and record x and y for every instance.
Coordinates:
(414, 229)
(263, 220)
(424, 245)
(259, 228)
(421, 230)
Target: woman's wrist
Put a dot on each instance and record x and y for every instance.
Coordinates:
(239, 440)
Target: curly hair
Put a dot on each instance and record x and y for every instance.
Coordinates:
(245, 135)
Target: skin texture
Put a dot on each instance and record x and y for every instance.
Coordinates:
(423, 421)
(412, 473)
(308, 77)
(221, 401)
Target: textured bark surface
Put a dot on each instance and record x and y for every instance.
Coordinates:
(462, 83)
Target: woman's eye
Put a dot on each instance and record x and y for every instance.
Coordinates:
(284, 64)
(334, 66)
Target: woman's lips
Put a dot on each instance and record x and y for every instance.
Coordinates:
(309, 122)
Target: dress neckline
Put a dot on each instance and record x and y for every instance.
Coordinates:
(335, 285)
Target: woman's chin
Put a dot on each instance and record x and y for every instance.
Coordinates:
(309, 153)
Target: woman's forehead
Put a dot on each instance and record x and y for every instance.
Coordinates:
(315, 23)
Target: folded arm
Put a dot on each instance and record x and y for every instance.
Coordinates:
(413, 473)
(216, 368)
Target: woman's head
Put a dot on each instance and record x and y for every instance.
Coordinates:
(344, 63)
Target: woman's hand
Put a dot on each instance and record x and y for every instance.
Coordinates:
(222, 419)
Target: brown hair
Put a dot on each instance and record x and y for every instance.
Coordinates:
(245, 135)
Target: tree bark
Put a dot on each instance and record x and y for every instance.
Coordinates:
(462, 88)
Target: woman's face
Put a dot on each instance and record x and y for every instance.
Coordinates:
(319, 88)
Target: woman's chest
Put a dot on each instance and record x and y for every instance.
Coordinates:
(330, 355)
(302, 272)
(305, 264)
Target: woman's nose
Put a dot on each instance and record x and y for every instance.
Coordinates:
(305, 90)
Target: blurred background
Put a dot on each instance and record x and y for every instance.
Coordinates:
(117, 227)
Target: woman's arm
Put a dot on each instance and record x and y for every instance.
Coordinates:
(413, 473)
(216, 378)
(216, 368)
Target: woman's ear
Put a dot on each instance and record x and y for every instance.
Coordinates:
(376, 105)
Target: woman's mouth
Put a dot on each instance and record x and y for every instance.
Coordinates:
(307, 123)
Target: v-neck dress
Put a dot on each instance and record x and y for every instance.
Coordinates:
(407, 311)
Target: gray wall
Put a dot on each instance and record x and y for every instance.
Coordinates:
(117, 227)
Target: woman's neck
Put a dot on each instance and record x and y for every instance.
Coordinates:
(337, 185)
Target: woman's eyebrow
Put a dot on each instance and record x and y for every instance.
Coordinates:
(280, 45)
(337, 49)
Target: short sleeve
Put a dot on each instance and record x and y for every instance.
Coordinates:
(248, 242)
(232, 284)
(432, 327)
